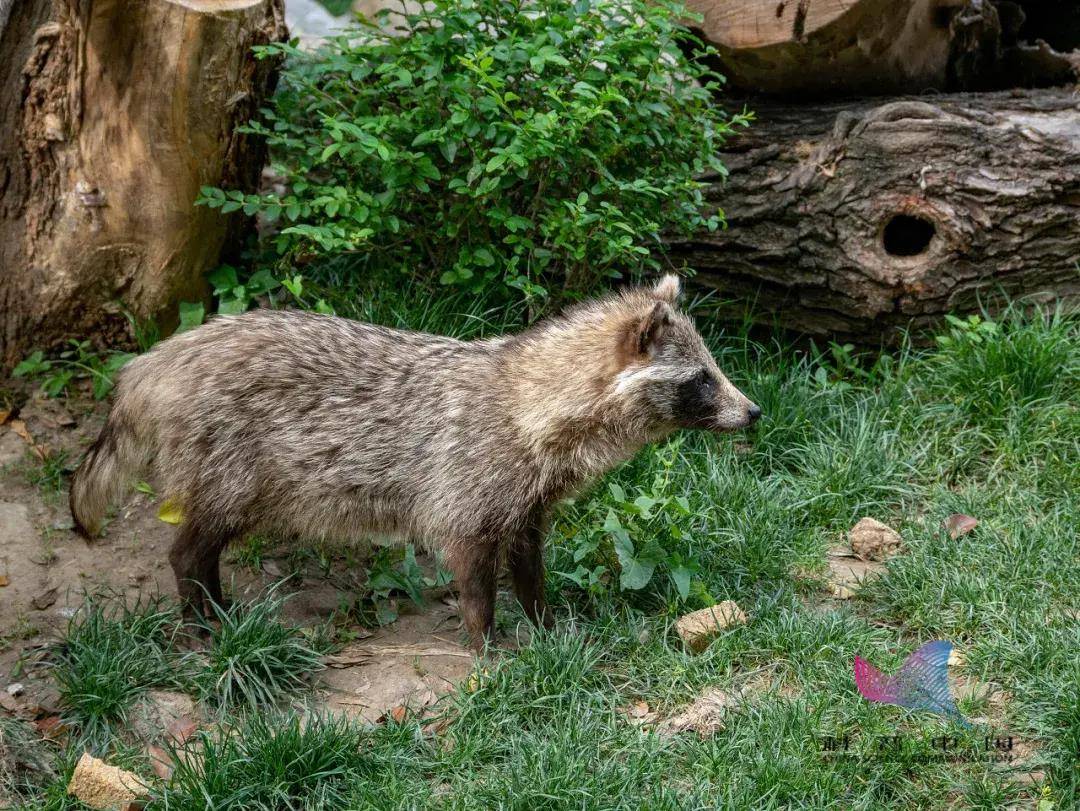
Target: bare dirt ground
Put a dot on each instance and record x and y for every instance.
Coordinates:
(46, 568)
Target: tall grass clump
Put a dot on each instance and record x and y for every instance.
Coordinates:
(109, 654)
(253, 657)
(276, 761)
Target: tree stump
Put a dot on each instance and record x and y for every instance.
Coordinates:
(112, 116)
(855, 219)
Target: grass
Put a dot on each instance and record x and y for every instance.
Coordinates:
(48, 473)
(110, 654)
(253, 658)
(984, 422)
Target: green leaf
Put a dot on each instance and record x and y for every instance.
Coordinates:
(261, 282)
(295, 285)
(680, 576)
(645, 505)
(34, 364)
(192, 314)
(232, 306)
(223, 279)
(635, 574)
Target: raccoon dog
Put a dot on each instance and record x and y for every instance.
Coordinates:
(322, 427)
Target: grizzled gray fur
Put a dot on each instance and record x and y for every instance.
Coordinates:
(321, 427)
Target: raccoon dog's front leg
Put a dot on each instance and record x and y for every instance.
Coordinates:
(475, 565)
(525, 560)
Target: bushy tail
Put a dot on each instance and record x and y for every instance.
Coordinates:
(111, 463)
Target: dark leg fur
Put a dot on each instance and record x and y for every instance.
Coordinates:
(210, 577)
(475, 566)
(194, 557)
(525, 559)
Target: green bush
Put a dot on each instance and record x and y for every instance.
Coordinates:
(543, 146)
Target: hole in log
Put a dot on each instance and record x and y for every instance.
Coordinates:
(905, 235)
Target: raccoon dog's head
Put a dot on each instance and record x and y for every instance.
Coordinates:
(670, 373)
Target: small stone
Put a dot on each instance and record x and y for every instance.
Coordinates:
(102, 786)
(700, 627)
(45, 599)
(16, 689)
(956, 658)
(842, 592)
(872, 540)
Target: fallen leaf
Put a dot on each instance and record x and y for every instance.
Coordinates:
(959, 524)
(4, 414)
(19, 427)
(181, 729)
(398, 713)
(4, 580)
(170, 512)
(159, 762)
(639, 709)
(705, 716)
(50, 727)
(45, 599)
(437, 727)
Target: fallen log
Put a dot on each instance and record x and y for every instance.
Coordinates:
(112, 115)
(855, 219)
(831, 48)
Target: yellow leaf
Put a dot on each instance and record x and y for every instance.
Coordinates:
(474, 683)
(170, 512)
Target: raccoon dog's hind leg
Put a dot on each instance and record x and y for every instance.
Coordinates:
(195, 558)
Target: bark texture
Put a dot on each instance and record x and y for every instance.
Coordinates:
(854, 220)
(833, 48)
(112, 115)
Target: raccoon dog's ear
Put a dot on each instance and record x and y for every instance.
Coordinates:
(668, 289)
(651, 330)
